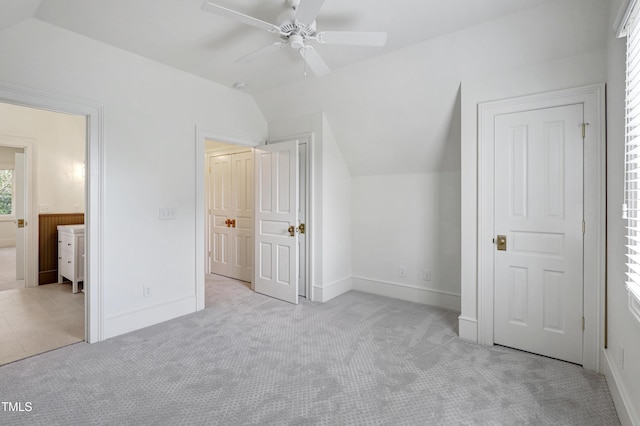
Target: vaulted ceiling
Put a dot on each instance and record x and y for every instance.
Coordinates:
(393, 109)
(182, 35)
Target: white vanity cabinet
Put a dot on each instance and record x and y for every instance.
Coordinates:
(71, 254)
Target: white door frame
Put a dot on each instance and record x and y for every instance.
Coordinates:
(29, 146)
(201, 260)
(592, 98)
(94, 193)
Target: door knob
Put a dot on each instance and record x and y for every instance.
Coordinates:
(233, 223)
(502, 242)
(227, 222)
(301, 228)
(292, 231)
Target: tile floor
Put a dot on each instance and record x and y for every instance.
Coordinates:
(39, 319)
(8, 269)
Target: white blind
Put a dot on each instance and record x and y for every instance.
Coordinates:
(631, 207)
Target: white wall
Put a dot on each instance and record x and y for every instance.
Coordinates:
(336, 217)
(407, 111)
(151, 112)
(60, 154)
(623, 329)
(409, 220)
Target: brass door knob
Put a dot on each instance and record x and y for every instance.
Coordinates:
(292, 231)
(502, 242)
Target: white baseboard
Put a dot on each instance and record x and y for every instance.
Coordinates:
(409, 293)
(127, 322)
(468, 329)
(335, 289)
(627, 414)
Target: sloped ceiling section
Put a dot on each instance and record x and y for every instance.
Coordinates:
(400, 112)
(181, 34)
(15, 11)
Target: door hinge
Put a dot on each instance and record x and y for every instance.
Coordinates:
(584, 227)
(582, 323)
(209, 253)
(584, 130)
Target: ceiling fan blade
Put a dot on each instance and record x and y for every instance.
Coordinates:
(263, 51)
(314, 61)
(353, 38)
(308, 10)
(245, 19)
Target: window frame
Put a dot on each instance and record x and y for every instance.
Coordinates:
(628, 23)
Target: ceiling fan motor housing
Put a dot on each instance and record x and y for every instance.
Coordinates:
(290, 27)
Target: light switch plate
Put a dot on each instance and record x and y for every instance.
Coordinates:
(167, 213)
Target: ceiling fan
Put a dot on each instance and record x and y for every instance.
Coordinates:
(296, 26)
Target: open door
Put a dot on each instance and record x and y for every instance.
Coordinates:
(276, 220)
(19, 211)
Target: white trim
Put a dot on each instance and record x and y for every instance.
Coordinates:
(136, 319)
(592, 97)
(426, 296)
(225, 151)
(94, 191)
(468, 329)
(620, 23)
(627, 414)
(333, 290)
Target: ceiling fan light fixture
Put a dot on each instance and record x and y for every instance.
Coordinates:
(240, 85)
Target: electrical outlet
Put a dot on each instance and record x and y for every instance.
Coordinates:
(403, 271)
(426, 275)
(146, 291)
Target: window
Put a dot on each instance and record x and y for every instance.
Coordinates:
(631, 206)
(6, 192)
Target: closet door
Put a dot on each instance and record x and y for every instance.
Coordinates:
(231, 215)
(219, 209)
(242, 213)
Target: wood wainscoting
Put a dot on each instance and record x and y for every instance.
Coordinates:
(48, 243)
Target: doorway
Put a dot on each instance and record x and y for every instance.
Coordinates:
(538, 215)
(229, 189)
(541, 159)
(39, 315)
(12, 184)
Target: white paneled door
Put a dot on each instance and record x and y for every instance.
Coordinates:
(276, 221)
(231, 215)
(539, 214)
